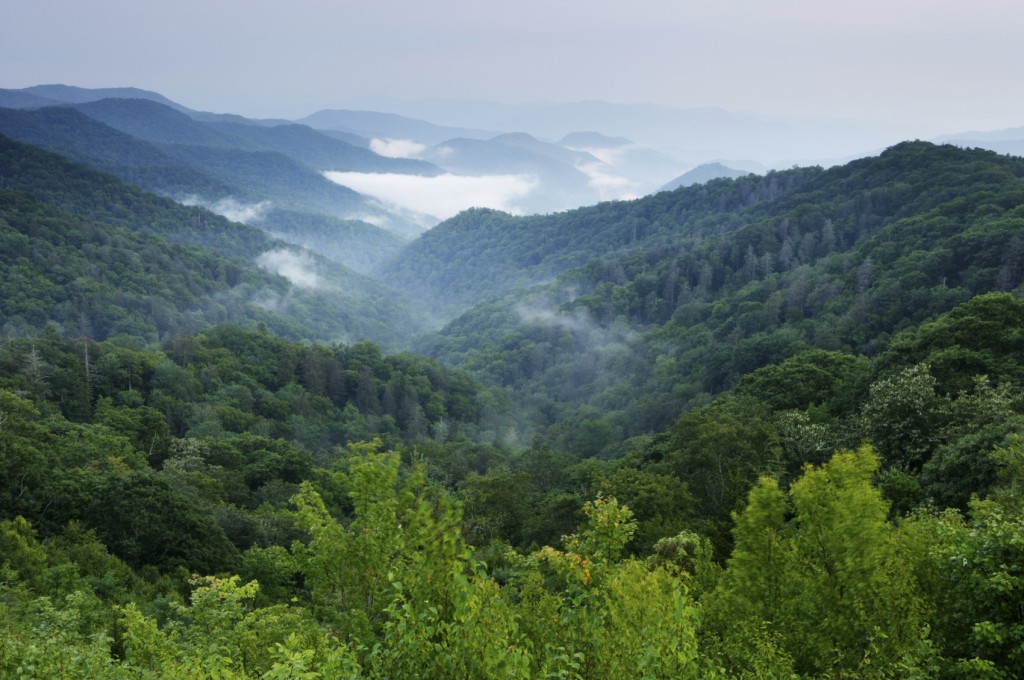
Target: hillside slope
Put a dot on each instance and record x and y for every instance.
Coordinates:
(842, 261)
(483, 253)
(266, 189)
(59, 215)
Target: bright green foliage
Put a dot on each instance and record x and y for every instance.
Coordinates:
(346, 568)
(973, 572)
(475, 637)
(50, 642)
(220, 635)
(398, 533)
(830, 587)
(649, 629)
(22, 556)
(609, 528)
(398, 581)
(852, 569)
(689, 556)
(586, 614)
(760, 559)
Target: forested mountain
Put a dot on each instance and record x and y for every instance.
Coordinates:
(764, 427)
(703, 173)
(73, 134)
(102, 258)
(482, 253)
(259, 161)
(157, 123)
(837, 260)
(249, 180)
(68, 94)
(154, 122)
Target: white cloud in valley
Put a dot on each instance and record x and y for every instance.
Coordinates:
(397, 148)
(443, 195)
(231, 208)
(620, 172)
(299, 268)
(590, 334)
(609, 186)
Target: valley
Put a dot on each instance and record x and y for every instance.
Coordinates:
(616, 411)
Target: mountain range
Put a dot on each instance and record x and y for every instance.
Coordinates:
(693, 135)
(254, 161)
(770, 424)
(617, 273)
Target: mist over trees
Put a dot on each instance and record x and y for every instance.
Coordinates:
(769, 426)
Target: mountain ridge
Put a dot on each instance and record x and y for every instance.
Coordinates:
(65, 192)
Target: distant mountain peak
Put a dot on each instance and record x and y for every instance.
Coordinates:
(592, 140)
(704, 173)
(515, 137)
(372, 124)
(71, 94)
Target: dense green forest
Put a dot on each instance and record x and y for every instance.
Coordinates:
(100, 257)
(842, 261)
(271, 173)
(766, 427)
(787, 219)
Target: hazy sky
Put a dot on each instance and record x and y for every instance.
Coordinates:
(948, 65)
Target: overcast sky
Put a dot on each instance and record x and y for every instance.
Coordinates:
(945, 65)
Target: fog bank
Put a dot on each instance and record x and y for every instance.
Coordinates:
(442, 196)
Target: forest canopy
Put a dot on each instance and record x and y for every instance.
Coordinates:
(764, 427)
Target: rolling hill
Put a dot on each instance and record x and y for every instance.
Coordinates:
(60, 216)
(645, 309)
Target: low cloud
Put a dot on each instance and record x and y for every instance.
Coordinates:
(397, 148)
(376, 220)
(443, 195)
(439, 153)
(611, 155)
(591, 335)
(609, 186)
(298, 268)
(603, 177)
(234, 210)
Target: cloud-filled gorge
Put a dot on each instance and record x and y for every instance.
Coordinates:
(297, 267)
(441, 196)
(232, 208)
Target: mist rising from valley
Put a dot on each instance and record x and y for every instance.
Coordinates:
(511, 340)
(232, 208)
(441, 196)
